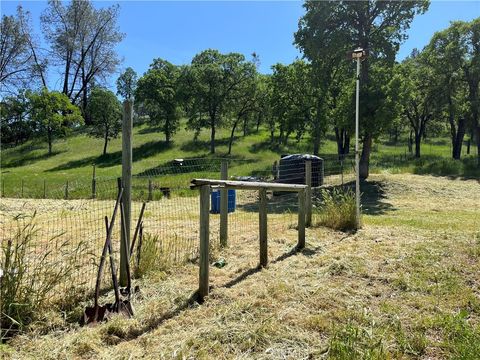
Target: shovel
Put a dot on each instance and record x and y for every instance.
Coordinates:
(118, 306)
(96, 313)
(127, 290)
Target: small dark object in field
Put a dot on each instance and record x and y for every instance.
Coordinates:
(165, 191)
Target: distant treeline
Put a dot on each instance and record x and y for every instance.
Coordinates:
(434, 91)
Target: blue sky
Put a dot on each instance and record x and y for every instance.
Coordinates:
(178, 30)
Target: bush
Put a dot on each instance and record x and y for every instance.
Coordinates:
(336, 209)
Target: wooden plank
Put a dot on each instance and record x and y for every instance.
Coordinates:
(301, 219)
(204, 240)
(308, 193)
(262, 217)
(246, 185)
(127, 126)
(224, 206)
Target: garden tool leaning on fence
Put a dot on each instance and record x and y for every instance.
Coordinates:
(99, 313)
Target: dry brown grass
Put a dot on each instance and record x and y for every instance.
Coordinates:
(405, 286)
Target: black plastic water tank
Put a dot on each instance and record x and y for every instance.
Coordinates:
(292, 169)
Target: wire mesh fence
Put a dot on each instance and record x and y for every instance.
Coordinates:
(52, 239)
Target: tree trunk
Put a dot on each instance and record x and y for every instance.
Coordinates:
(212, 136)
(316, 141)
(365, 158)
(458, 140)
(418, 140)
(230, 141)
(245, 123)
(478, 145)
(167, 131)
(49, 138)
(105, 146)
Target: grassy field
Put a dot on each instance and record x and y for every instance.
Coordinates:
(73, 158)
(405, 286)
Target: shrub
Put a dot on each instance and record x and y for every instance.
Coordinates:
(336, 209)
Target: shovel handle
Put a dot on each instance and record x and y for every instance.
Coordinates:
(137, 228)
(112, 267)
(104, 251)
(126, 247)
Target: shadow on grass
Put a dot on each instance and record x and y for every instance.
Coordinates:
(111, 159)
(204, 145)
(29, 159)
(373, 198)
(194, 299)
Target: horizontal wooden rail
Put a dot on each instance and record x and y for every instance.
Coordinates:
(246, 185)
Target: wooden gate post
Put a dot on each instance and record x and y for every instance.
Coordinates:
(224, 206)
(150, 190)
(308, 192)
(127, 186)
(204, 240)
(301, 219)
(262, 217)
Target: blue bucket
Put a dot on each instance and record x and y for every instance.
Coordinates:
(215, 200)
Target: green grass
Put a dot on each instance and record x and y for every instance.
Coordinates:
(29, 167)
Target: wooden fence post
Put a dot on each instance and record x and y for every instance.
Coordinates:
(3, 186)
(204, 240)
(66, 190)
(94, 184)
(308, 192)
(301, 219)
(224, 206)
(44, 188)
(150, 190)
(262, 217)
(127, 185)
(22, 188)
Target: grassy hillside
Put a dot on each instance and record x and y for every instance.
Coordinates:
(73, 157)
(406, 286)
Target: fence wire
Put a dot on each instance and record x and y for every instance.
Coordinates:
(59, 233)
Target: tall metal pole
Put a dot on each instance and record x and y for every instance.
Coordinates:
(357, 160)
(127, 186)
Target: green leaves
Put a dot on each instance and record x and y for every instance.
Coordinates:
(106, 113)
(158, 90)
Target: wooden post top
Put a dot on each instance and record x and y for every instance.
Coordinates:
(246, 185)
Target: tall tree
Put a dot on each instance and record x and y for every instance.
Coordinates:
(20, 61)
(106, 113)
(378, 26)
(82, 42)
(157, 89)
(53, 114)
(127, 83)
(414, 80)
(208, 86)
(15, 124)
(454, 56)
(292, 98)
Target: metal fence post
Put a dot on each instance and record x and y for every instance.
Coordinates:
(66, 190)
(301, 219)
(44, 188)
(94, 183)
(262, 221)
(308, 192)
(126, 184)
(224, 206)
(22, 188)
(204, 240)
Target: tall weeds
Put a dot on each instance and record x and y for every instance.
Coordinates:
(335, 208)
(29, 279)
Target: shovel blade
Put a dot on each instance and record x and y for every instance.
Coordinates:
(92, 315)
